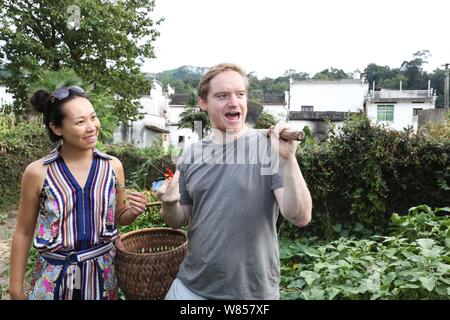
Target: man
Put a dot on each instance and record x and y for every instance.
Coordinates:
(230, 187)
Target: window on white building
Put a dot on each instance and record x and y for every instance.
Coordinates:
(307, 108)
(385, 112)
(415, 111)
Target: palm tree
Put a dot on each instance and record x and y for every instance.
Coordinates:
(193, 113)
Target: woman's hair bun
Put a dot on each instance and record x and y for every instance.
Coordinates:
(40, 100)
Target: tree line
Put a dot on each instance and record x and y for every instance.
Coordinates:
(411, 73)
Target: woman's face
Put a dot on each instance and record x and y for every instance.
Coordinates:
(80, 126)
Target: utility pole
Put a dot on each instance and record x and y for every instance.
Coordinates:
(446, 86)
(289, 100)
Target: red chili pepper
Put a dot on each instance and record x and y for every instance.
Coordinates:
(168, 174)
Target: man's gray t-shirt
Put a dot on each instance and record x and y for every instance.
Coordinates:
(233, 246)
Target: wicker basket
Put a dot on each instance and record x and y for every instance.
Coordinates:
(150, 262)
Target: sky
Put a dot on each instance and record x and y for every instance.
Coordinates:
(268, 37)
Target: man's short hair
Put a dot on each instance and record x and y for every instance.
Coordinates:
(203, 86)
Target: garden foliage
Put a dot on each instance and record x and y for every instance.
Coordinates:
(363, 173)
(411, 262)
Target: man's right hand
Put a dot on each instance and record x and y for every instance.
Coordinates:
(169, 192)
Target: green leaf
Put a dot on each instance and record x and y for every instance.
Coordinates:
(445, 209)
(317, 294)
(421, 208)
(395, 218)
(442, 290)
(299, 283)
(399, 263)
(409, 286)
(319, 266)
(426, 243)
(447, 242)
(332, 292)
(311, 252)
(428, 283)
(358, 227)
(434, 253)
(309, 276)
(407, 254)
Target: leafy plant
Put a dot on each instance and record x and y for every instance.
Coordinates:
(265, 120)
(402, 265)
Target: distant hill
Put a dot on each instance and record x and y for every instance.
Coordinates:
(183, 79)
(186, 71)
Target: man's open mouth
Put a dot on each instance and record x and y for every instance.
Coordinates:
(234, 115)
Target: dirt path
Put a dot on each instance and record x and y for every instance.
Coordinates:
(7, 225)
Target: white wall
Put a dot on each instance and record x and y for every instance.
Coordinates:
(403, 114)
(174, 112)
(189, 136)
(279, 112)
(5, 97)
(345, 95)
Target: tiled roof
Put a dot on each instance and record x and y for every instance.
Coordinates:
(156, 129)
(319, 115)
(269, 98)
(179, 99)
(340, 81)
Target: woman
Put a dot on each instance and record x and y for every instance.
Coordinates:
(76, 195)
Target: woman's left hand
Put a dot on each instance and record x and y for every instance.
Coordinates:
(137, 201)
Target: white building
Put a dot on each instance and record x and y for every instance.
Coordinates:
(347, 95)
(179, 137)
(311, 102)
(143, 133)
(398, 109)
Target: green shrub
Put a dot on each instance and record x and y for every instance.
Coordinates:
(19, 146)
(364, 172)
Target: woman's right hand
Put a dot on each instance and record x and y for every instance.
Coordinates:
(169, 192)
